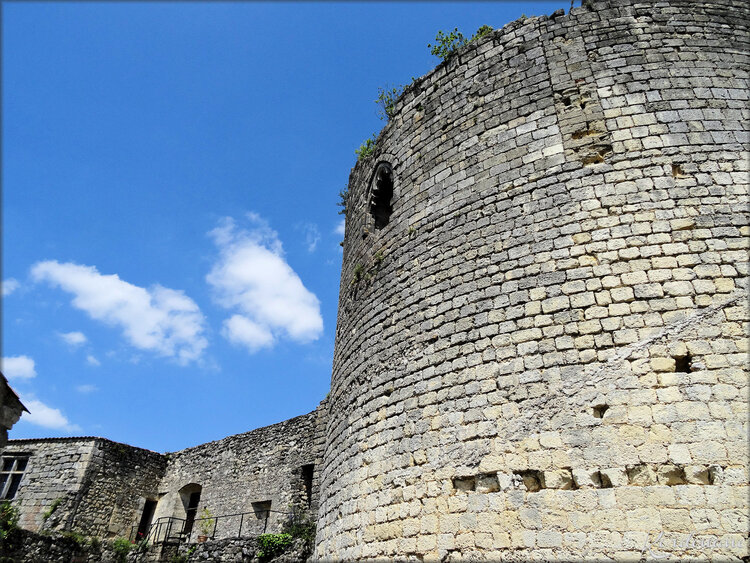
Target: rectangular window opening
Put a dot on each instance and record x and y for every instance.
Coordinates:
(13, 468)
(262, 509)
(307, 481)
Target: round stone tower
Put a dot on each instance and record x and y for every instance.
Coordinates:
(541, 345)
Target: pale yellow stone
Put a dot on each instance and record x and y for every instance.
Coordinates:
(643, 519)
(426, 542)
(663, 364)
(558, 479)
(550, 440)
(632, 434)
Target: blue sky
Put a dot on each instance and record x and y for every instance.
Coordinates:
(170, 248)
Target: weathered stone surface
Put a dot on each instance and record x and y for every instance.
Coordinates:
(99, 488)
(541, 352)
(558, 297)
(89, 485)
(265, 465)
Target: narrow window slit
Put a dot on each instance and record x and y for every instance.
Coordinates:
(381, 195)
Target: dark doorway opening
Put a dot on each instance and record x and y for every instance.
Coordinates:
(148, 514)
(192, 510)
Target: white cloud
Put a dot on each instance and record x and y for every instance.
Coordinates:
(18, 367)
(241, 330)
(9, 286)
(341, 228)
(252, 277)
(46, 416)
(73, 338)
(157, 319)
(86, 388)
(92, 361)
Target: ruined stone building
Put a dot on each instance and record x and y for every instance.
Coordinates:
(541, 347)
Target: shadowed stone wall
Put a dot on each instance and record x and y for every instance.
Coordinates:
(99, 488)
(542, 352)
(89, 485)
(256, 467)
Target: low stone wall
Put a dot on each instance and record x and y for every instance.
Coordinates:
(243, 550)
(24, 546)
(275, 466)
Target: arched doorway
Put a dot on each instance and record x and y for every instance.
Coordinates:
(190, 497)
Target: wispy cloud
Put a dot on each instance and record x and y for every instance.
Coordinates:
(45, 416)
(9, 286)
(252, 277)
(92, 361)
(86, 388)
(312, 236)
(73, 338)
(18, 367)
(157, 319)
(340, 228)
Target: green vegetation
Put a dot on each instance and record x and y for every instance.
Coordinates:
(367, 147)
(206, 522)
(79, 539)
(121, 547)
(300, 525)
(185, 557)
(358, 272)
(52, 507)
(8, 519)
(386, 101)
(142, 546)
(343, 200)
(448, 43)
(481, 32)
(271, 545)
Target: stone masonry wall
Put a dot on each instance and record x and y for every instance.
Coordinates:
(542, 355)
(89, 485)
(119, 480)
(56, 470)
(262, 465)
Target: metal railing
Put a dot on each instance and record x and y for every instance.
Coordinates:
(169, 528)
(163, 530)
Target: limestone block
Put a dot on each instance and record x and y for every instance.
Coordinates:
(558, 479)
(663, 364)
(641, 475)
(616, 476)
(586, 478)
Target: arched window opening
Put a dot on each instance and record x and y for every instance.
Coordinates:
(381, 195)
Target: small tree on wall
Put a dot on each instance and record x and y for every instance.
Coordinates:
(206, 522)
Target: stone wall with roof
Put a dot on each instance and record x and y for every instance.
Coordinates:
(92, 486)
